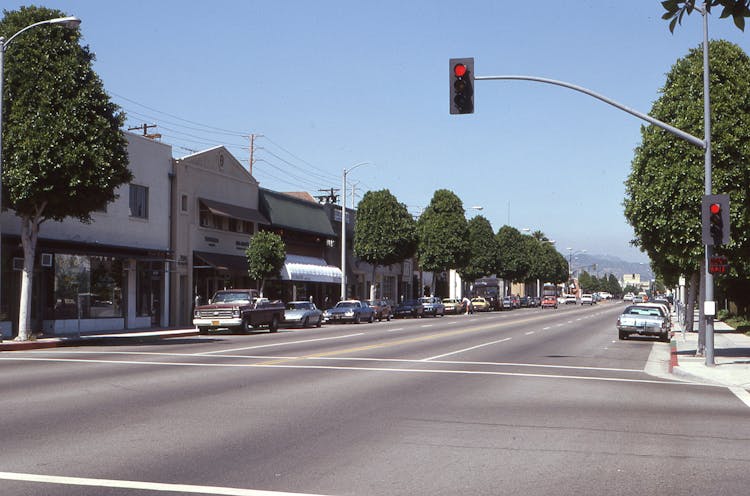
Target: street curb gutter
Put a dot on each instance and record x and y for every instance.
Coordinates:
(61, 342)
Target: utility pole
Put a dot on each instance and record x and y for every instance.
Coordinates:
(330, 198)
(251, 160)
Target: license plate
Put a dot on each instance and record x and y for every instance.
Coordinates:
(214, 322)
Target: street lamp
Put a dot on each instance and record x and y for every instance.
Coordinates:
(68, 22)
(343, 227)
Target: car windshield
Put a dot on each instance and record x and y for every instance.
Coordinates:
(411, 303)
(298, 306)
(653, 312)
(232, 297)
(346, 304)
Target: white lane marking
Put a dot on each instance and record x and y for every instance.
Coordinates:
(529, 333)
(427, 325)
(742, 394)
(465, 349)
(366, 369)
(396, 329)
(546, 328)
(270, 345)
(147, 486)
(499, 364)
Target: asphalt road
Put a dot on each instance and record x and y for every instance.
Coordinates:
(532, 402)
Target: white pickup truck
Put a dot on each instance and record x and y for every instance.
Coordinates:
(644, 320)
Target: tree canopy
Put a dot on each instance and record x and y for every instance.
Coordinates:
(513, 264)
(443, 233)
(385, 232)
(63, 151)
(482, 248)
(266, 254)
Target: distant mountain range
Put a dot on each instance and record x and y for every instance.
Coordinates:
(606, 264)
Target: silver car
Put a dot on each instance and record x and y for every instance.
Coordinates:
(302, 314)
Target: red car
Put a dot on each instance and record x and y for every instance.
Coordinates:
(549, 302)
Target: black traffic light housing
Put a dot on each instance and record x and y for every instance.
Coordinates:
(715, 220)
(461, 78)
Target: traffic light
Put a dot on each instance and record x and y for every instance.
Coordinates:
(461, 80)
(715, 220)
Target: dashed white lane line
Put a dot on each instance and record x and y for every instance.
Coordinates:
(145, 486)
(396, 329)
(546, 328)
(465, 349)
(529, 333)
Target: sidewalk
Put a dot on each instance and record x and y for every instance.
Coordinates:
(731, 356)
(95, 338)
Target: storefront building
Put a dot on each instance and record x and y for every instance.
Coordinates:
(306, 230)
(214, 215)
(105, 276)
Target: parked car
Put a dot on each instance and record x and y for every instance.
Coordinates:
(382, 309)
(549, 302)
(524, 302)
(506, 303)
(302, 314)
(409, 308)
(432, 306)
(480, 304)
(350, 311)
(240, 309)
(644, 320)
(454, 306)
(587, 299)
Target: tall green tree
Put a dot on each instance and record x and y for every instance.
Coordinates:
(483, 250)
(265, 254)
(443, 233)
(385, 232)
(665, 186)
(63, 152)
(513, 262)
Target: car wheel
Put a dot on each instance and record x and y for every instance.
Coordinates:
(623, 335)
(245, 327)
(274, 325)
(371, 319)
(356, 319)
(203, 330)
(388, 317)
(320, 322)
(664, 337)
(305, 322)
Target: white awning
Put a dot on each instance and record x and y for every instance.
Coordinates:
(310, 269)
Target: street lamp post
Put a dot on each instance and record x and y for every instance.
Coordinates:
(343, 227)
(68, 22)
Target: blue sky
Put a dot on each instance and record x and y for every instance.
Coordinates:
(329, 84)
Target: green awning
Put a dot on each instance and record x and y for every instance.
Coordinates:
(292, 213)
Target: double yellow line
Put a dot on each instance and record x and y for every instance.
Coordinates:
(397, 342)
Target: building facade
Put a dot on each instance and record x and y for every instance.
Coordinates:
(107, 275)
(214, 215)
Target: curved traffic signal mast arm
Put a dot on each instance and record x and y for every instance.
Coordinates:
(656, 122)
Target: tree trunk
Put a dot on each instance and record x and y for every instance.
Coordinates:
(29, 236)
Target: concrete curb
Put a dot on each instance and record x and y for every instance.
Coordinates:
(45, 343)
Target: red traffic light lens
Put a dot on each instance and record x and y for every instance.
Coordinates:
(715, 208)
(459, 70)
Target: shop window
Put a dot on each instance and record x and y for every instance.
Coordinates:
(87, 287)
